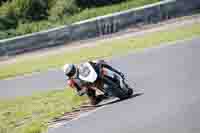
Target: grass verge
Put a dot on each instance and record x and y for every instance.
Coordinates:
(31, 114)
(109, 48)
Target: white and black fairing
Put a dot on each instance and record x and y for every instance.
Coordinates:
(114, 83)
(87, 73)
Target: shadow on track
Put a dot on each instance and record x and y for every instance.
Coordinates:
(118, 100)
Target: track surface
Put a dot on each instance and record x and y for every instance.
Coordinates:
(169, 78)
(137, 65)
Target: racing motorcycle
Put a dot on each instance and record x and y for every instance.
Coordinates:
(112, 84)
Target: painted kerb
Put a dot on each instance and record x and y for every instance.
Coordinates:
(98, 26)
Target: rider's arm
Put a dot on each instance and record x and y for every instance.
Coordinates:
(112, 69)
(79, 89)
(73, 84)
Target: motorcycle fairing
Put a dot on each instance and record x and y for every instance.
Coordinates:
(87, 73)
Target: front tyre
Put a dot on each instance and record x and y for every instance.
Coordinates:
(130, 92)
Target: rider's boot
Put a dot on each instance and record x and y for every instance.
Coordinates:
(94, 100)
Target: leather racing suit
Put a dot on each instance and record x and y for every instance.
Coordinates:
(81, 87)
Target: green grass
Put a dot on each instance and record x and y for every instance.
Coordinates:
(109, 48)
(14, 21)
(31, 114)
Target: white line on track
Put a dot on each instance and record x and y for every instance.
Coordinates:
(59, 124)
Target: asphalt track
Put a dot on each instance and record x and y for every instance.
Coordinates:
(169, 77)
(170, 80)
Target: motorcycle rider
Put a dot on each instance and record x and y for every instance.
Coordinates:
(72, 73)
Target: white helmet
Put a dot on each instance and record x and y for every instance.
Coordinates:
(69, 70)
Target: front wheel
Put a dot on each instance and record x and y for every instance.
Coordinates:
(130, 92)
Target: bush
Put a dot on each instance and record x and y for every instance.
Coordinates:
(3, 1)
(27, 16)
(32, 27)
(26, 9)
(94, 3)
(8, 18)
(36, 10)
(7, 22)
(7, 33)
(3, 35)
(63, 8)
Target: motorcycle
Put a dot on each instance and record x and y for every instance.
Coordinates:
(113, 84)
